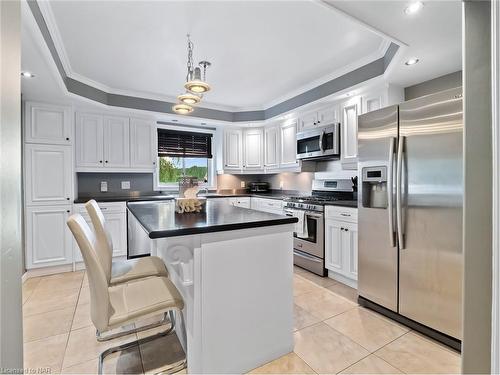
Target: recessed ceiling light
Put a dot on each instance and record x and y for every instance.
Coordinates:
(27, 74)
(414, 7)
(412, 61)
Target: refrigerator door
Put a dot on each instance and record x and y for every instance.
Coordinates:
(430, 273)
(377, 252)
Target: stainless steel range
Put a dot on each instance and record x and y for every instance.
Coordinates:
(309, 237)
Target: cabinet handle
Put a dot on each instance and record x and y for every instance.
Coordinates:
(319, 121)
(343, 214)
(67, 139)
(67, 199)
(154, 163)
(341, 228)
(100, 161)
(67, 211)
(106, 161)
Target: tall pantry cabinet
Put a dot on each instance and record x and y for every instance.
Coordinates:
(48, 184)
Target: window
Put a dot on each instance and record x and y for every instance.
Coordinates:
(183, 154)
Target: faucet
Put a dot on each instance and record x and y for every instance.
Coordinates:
(203, 188)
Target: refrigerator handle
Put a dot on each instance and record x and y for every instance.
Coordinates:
(390, 194)
(399, 213)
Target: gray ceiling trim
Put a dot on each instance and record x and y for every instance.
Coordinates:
(362, 74)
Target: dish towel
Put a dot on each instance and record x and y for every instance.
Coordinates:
(301, 225)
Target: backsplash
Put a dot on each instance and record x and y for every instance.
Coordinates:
(89, 184)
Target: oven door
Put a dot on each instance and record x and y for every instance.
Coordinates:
(313, 244)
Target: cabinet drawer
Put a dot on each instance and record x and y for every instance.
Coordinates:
(106, 207)
(342, 213)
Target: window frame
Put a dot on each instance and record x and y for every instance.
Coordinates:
(174, 187)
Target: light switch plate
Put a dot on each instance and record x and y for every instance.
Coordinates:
(242, 184)
(125, 185)
(104, 186)
(281, 184)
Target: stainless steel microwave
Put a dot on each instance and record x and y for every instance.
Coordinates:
(319, 142)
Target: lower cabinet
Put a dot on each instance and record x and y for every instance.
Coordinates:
(48, 238)
(341, 244)
(238, 201)
(273, 206)
(116, 222)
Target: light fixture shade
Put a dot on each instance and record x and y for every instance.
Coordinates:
(182, 109)
(197, 86)
(189, 99)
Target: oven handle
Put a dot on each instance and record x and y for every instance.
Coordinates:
(321, 141)
(308, 213)
(306, 256)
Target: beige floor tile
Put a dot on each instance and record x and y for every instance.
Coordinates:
(84, 297)
(47, 324)
(326, 350)
(318, 280)
(288, 364)
(323, 304)
(301, 286)
(82, 317)
(47, 352)
(126, 362)
(161, 353)
(371, 365)
(302, 318)
(29, 287)
(298, 270)
(413, 353)
(61, 281)
(83, 345)
(50, 300)
(345, 291)
(87, 367)
(365, 328)
(85, 280)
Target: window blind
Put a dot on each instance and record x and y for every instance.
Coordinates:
(176, 143)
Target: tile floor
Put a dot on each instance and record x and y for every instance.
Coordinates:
(332, 335)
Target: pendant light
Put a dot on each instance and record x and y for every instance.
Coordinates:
(182, 109)
(189, 98)
(196, 84)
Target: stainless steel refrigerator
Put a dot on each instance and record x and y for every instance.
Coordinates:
(410, 210)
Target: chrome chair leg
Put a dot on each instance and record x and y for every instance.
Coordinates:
(169, 370)
(165, 320)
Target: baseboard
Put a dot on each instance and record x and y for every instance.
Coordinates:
(45, 271)
(24, 277)
(342, 279)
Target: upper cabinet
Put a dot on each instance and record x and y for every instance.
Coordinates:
(113, 142)
(253, 149)
(288, 149)
(351, 109)
(233, 149)
(142, 144)
(48, 124)
(271, 147)
(323, 116)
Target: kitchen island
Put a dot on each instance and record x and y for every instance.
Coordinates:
(234, 268)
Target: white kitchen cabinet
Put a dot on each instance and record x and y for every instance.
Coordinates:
(273, 206)
(233, 149)
(372, 102)
(142, 144)
(341, 244)
(318, 117)
(89, 147)
(271, 147)
(116, 221)
(351, 109)
(253, 141)
(48, 174)
(288, 149)
(48, 238)
(116, 142)
(308, 120)
(48, 124)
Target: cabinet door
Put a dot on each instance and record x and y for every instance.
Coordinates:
(117, 226)
(371, 103)
(89, 140)
(328, 115)
(350, 250)
(253, 140)
(334, 257)
(288, 149)
(116, 142)
(349, 133)
(143, 149)
(308, 120)
(48, 238)
(232, 149)
(48, 124)
(271, 147)
(48, 174)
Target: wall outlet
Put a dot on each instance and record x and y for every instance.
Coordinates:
(242, 184)
(125, 185)
(104, 186)
(281, 184)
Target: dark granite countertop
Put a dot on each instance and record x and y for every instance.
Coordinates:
(160, 220)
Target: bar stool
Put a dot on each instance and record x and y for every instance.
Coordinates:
(113, 306)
